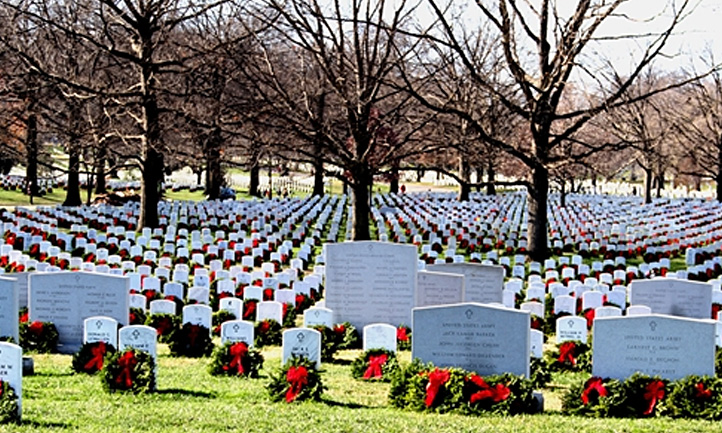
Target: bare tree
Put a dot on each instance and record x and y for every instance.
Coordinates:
(544, 43)
(354, 46)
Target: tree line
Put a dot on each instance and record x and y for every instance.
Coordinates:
(360, 90)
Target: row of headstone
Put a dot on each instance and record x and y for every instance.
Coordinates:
(491, 340)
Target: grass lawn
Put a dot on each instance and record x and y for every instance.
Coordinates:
(189, 399)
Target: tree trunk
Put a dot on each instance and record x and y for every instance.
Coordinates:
(660, 184)
(490, 179)
(419, 175)
(394, 181)
(537, 226)
(479, 177)
(72, 196)
(464, 176)
(214, 169)
(254, 174)
(648, 177)
(150, 188)
(318, 175)
(31, 146)
(100, 186)
(361, 208)
(89, 194)
(562, 193)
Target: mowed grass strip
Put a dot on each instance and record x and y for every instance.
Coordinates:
(190, 399)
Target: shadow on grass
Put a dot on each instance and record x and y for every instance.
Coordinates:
(341, 362)
(185, 393)
(53, 374)
(332, 403)
(42, 424)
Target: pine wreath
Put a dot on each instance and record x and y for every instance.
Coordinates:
(219, 317)
(236, 359)
(539, 374)
(91, 357)
(136, 316)
(329, 342)
(297, 380)
(403, 337)
(570, 356)
(40, 337)
(347, 336)
(130, 370)
(695, 397)
(267, 333)
(193, 341)
(8, 404)
(375, 364)
(289, 316)
(165, 325)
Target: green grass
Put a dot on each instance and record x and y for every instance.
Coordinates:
(16, 198)
(189, 399)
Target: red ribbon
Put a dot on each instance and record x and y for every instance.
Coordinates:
(496, 393)
(566, 352)
(193, 332)
(700, 391)
(36, 327)
(375, 368)
(238, 352)
(297, 377)
(589, 315)
(594, 385)
(654, 391)
(163, 325)
(401, 334)
(127, 363)
(96, 362)
(249, 310)
(1, 387)
(437, 379)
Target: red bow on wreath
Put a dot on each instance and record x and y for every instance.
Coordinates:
(36, 327)
(654, 391)
(97, 352)
(437, 379)
(238, 352)
(594, 385)
(296, 377)
(375, 368)
(193, 333)
(701, 392)
(496, 393)
(2, 387)
(127, 363)
(566, 353)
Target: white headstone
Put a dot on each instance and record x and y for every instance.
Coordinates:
(571, 328)
(232, 305)
(11, 369)
(140, 337)
(438, 288)
(379, 336)
(301, 343)
(481, 338)
(162, 306)
(198, 314)
(482, 283)
(655, 345)
(673, 297)
(316, 316)
(100, 328)
(370, 282)
(67, 298)
(237, 331)
(269, 310)
(536, 343)
(9, 308)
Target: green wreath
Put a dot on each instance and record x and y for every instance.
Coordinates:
(130, 370)
(695, 397)
(219, 317)
(8, 404)
(375, 364)
(267, 333)
(40, 337)
(136, 316)
(403, 337)
(297, 380)
(289, 316)
(347, 336)
(236, 359)
(539, 374)
(569, 356)
(165, 325)
(193, 341)
(91, 357)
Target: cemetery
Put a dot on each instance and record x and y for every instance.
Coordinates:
(360, 216)
(442, 313)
